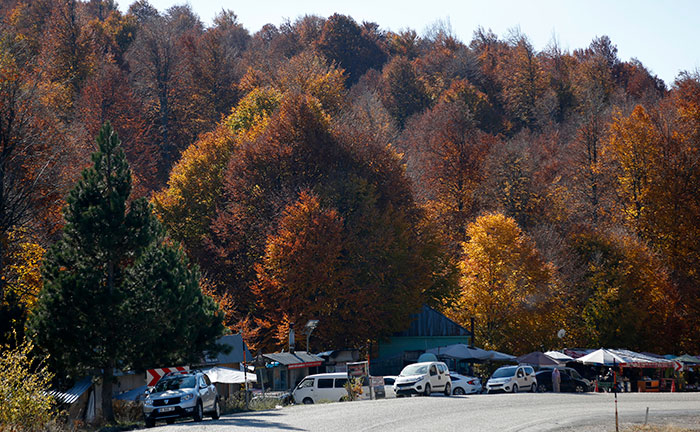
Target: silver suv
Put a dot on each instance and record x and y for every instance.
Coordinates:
(177, 395)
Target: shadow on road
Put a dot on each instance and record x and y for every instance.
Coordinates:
(263, 420)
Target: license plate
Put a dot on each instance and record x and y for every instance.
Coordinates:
(167, 409)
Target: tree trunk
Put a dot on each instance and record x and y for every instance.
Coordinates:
(107, 378)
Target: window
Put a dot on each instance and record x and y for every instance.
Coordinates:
(442, 368)
(433, 371)
(175, 383)
(307, 383)
(574, 374)
(325, 383)
(529, 370)
(520, 373)
(389, 381)
(202, 383)
(340, 382)
(207, 380)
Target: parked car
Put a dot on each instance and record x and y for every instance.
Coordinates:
(462, 384)
(324, 387)
(389, 386)
(512, 379)
(423, 378)
(182, 394)
(573, 373)
(567, 382)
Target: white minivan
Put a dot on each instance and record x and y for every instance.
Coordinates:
(324, 387)
(512, 379)
(423, 378)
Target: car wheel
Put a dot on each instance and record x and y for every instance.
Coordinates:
(533, 388)
(308, 401)
(150, 423)
(542, 388)
(448, 389)
(515, 388)
(198, 412)
(579, 388)
(217, 410)
(459, 391)
(427, 390)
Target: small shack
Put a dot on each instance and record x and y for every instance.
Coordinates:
(337, 360)
(234, 357)
(283, 371)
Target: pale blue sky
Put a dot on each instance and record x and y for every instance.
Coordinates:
(663, 35)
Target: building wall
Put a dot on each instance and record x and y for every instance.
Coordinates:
(397, 345)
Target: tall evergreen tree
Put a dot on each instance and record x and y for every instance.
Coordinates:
(115, 295)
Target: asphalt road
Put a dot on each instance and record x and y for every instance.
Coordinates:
(505, 412)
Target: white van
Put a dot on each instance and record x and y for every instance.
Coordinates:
(423, 378)
(324, 387)
(512, 379)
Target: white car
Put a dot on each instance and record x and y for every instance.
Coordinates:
(512, 379)
(423, 378)
(389, 386)
(462, 384)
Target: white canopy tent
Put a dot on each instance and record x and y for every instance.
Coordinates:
(559, 356)
(225, 375)
(625, 358)
(465, 352)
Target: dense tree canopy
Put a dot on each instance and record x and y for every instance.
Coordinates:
(403, 146)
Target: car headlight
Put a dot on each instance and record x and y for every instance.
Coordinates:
(148, 401)
(187, 397)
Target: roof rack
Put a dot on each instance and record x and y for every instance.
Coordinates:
(185, 372)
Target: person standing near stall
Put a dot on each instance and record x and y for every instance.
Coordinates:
(556, 380)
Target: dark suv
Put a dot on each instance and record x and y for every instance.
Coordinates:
(177, 395)
(570, 381)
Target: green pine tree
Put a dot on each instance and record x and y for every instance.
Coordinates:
(115, 294)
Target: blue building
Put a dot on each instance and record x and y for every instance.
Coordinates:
(429, 329)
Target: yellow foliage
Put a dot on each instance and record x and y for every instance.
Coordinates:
(194, 186)
(634, 144)
(308, 74)
(26, 405)
(507, 286)
(187, 204)
(23, 272)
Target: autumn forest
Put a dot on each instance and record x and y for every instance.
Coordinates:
(324, 168)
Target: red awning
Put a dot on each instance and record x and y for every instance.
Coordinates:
(303, 365)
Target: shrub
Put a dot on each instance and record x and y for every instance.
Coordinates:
(26, 404)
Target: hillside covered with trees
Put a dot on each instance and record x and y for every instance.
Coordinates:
(329, 169)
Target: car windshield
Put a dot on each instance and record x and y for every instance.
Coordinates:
(414, 369)
(175, 383)
(504, 372)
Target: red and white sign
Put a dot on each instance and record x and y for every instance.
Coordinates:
(677, 366)
(153, 375)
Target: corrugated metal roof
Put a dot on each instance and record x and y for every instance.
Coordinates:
(73, 394)
(429, 322)
(296, 358)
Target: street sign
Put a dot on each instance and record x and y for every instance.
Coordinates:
(677, 366)
(153, 375)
